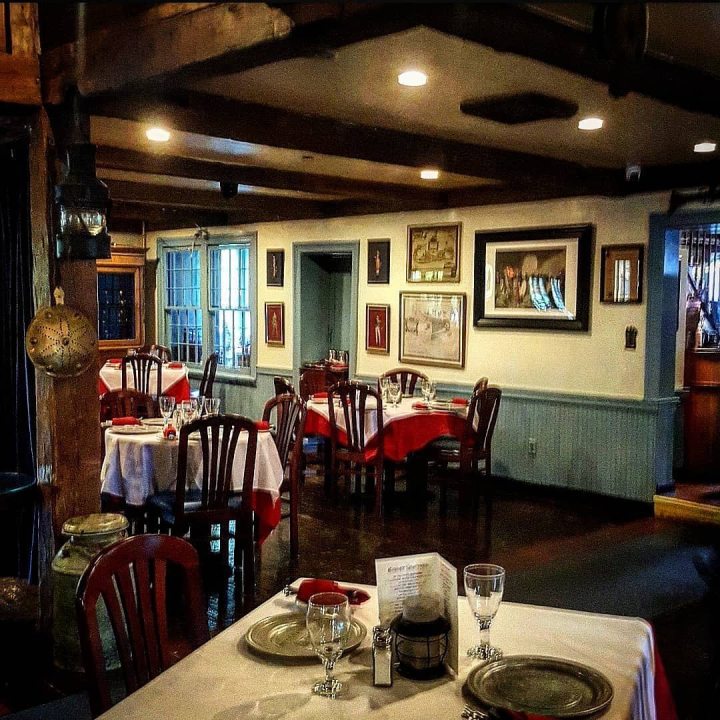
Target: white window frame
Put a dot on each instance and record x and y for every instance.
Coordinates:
(232, 375)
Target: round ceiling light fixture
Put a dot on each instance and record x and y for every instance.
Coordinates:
(429, 174)
(590, 123)
(157, 134)
(707, 146)
(412, 78)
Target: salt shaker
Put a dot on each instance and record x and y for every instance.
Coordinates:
(382, 652)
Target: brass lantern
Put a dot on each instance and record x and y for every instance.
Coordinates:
(83, 203)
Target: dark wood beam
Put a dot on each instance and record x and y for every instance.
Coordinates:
(157, 217)
(249, 122)
(135, 161)
(166, 40)
(190, 199)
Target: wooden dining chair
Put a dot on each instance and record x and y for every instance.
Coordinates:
(350, 456)
(406, 377)
(315, 380)
(472, 452)
(208, 378)
(481, 384)
(142, 365)
(283, 386)
(140, 581)
(288, 412)
(126, 403)
(162, 351)
(216, 502)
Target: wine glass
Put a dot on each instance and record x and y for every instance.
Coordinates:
(484, 585)
(394, 393)
(212, 406)
(384, 383)
(189, 410)
(428, 389)
(167, 405)
(328, 625)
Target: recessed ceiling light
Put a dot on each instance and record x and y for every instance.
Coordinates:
(590, 123)
(429, 174)
(706, 146)
(412, 78)
(157, 134)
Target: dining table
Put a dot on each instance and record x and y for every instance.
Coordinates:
(175, 382)
(407, 427)
(227, 678)
(140, 462)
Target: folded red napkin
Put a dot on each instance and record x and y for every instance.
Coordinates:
(125, 421)
(113, 361)
(262, 425)
(175, 364)
(317, 585)
(459, 401)
(320, 396)
(419, 406)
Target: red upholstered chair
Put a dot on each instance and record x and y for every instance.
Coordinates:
(135, 580)
(407, 378)
(288, 412)
(350, 458)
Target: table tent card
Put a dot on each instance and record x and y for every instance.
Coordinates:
(424, 574)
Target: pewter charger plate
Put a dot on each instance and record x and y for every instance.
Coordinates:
(284, 637)
(541, 685)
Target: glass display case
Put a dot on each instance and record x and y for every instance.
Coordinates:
(120, 292)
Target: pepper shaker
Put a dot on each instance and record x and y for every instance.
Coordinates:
(382, 652)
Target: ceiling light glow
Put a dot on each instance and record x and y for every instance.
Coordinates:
(590, 123)
(412, 78)
(705, 147)
(157, 134)
(429, 174)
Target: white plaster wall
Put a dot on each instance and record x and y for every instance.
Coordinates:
(592, 363)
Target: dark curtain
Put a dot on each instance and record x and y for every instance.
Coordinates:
(17, 375)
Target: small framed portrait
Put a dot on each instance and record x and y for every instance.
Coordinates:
(378, 262)
(275, 324)
(433, 253)
(377, 335)
(275, 268)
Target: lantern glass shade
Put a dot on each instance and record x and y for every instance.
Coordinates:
(77, 220)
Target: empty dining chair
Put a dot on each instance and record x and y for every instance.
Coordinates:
(163, 352)
(208, 378)
(139, 582)
(481, 384)
(216, 501)
(359, 451)
(283, 386)
(288, 413)
(407, 378)
(142, 366)
(126, 403)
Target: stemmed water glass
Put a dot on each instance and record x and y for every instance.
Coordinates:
(189, 410)
(484, 584)
(167, 405)
(394, 393)
(328, 625)
(428, 389)
(212, 406)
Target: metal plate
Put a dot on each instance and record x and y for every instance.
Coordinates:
(150, 422)
(284, 637)
(541, 685)
(131, 430)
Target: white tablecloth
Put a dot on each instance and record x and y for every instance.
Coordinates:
(111, 376)
(223, 681)
(137, 466)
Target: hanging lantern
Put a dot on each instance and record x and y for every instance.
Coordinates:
(83, 203)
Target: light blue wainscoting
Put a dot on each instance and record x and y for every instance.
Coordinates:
(609, 446)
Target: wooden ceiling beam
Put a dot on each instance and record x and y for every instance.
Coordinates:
(249, 122)
(166, 196)
(141, 52)
(135, 161)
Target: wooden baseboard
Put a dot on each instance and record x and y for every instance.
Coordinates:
(676, 509)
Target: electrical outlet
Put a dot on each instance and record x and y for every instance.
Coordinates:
(532, 447)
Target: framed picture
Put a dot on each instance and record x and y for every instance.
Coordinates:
(432, 329)
(275, 323)
(378, 262)
(433, 253)
(621, 273)
(275, 268)
(377, 331)
(537, 278)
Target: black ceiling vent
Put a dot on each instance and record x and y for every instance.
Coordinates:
(520, 108)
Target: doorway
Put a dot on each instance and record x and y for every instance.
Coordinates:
(325, 301)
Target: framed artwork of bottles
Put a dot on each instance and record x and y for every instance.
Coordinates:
(536, 278)
(621, 273)
(120, 290)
